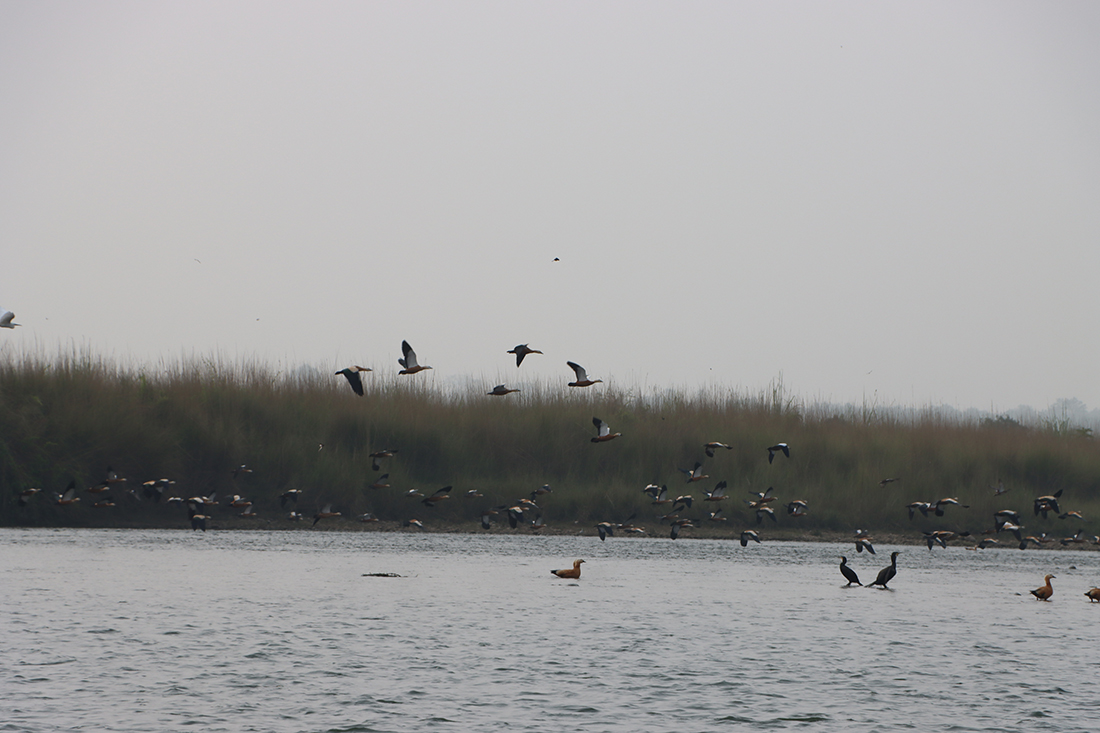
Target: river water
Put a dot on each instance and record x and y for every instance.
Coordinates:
(146, 630)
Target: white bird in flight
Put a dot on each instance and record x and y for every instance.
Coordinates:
(409, 362)
(6, 318)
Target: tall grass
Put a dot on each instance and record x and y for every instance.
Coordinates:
(69, 417)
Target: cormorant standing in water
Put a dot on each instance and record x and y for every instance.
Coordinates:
(848, 573)
(887, 574)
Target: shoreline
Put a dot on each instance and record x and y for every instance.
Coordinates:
(700, 533)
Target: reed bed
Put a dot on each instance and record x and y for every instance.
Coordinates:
(69, 417)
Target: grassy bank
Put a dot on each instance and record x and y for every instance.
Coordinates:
(68, 418)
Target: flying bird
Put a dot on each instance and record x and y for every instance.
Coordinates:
(661, 497)
(1049, 503)
(155, 489)
(747, 535)
(1093, 594)
(521, 351)
(887, 481)
(69, 497)
(290, 495)
(713, 446)
(678, 525)
(695, 474)
(797, 508)
(603, 431)
(939, 505)
(325, 513)
(772, 450)
(388, 453)
(6, 318)
(922, 506)
(409, 363)
(500, 390)
(582, 376)
(438, 496)
(718, 494)
(352, 375)
(762, 498)
(487, 518)
(515, 516)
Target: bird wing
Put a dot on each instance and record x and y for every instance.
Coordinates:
(582, 375)
(6, 318)
(409, 361)
(601, 427)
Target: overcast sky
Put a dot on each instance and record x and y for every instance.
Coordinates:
(869, 198)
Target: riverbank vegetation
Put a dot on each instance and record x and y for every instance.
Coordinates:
(68, 418)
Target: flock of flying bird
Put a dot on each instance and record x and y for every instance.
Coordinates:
(199, 507)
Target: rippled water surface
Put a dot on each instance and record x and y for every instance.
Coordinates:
(126, 630)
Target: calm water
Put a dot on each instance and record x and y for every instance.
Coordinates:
(127, 630)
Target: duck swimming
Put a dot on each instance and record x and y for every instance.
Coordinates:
(573, 573)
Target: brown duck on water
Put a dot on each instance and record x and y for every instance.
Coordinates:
(573, 573)
(1044, 592)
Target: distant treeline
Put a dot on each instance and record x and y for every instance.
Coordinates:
(68, 418)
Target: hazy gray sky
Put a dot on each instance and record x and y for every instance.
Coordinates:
(901, 198)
